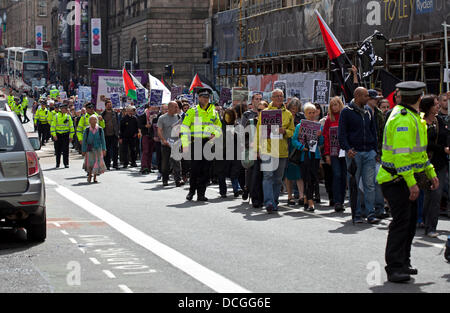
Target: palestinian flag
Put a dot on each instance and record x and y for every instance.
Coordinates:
(196, 83)
(339, 60)
(388, 83)
(130, 88)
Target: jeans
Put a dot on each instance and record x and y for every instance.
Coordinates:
(365, 162)
(339, 167)
(272, 180)
(432, 203)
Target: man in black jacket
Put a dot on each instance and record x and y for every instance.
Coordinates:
(111, 119)
(128, 134)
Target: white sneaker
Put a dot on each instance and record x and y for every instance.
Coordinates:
(433, 234)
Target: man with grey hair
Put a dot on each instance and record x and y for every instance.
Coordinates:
(167, 132)
(274, 151)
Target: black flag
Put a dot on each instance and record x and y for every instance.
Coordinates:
(368, 55)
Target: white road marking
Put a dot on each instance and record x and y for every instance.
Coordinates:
(109, 274)
(125, 289)
(95, 261)
(211, 279)
(72, 240)
(64, 232)
(57, 224)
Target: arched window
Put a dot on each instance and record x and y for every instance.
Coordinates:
(134, 53)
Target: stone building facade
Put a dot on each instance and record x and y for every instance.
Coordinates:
(156, 33)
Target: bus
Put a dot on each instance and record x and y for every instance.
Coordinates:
(26, 68)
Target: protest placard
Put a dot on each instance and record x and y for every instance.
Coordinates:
(239, 95)
(308, 134)
(140, 94)
(334, 142)
(78, 105)
(225, 96)
(156, 97)
(270, 119)
(115, 100)
(321, 92)
(176, 91)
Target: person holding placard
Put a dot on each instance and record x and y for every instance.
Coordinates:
(334, 156)
(307, 138)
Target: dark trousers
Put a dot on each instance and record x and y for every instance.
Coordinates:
(43, 130)
(158, 155)
(62, 147)
(167, 163)
(200, 170)
(310, 172)
(147, 152)
(402, 228)
(25, 117)
(254, 183)
(129, 145)
(112, 151)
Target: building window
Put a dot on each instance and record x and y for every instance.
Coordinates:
(42, 8)
(134, 53)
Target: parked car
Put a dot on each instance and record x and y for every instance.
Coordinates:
(22, 187)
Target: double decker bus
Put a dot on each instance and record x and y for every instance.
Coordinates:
(26, 68)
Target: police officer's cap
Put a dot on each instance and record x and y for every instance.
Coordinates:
(411, 88)
(89, 106)
(64, 105)
(204, 92)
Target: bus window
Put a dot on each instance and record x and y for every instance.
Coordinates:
(35, 55)
(19, 56)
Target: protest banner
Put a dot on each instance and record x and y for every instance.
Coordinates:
(308, 134)
(78, 105)
(271, 119)
(321, 92)
(156, 97)
(85, 94)
(63, 95)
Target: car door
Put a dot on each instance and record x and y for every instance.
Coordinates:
(13, 162)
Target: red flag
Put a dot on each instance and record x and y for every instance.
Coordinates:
(388, 83)
(196, 83)
(338, 59)
(130, 88)
(162, 80)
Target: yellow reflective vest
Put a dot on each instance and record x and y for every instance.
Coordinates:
(405, 147)
(84, 123)
(54, 93)
(61, 124)
(41, 116)
(200, 123)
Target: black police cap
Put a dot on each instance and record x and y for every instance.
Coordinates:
(411, 88)
(204, 92)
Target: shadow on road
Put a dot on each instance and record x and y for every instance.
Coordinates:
(410, 287)
(13, 241)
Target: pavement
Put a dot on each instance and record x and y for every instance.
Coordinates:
(128, 233)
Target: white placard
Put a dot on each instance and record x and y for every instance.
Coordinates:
(446, 75)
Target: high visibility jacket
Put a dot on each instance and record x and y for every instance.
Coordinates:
(54, 93)
(62, 124)
(11, 101)
(24, 103)
(41, 116)
(51, 115)
(17, 108)
(199, 123)
(405, 147)
(84, 122)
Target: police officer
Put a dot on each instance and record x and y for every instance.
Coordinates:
(11, 102)
(17, 108)
(405, 170)
(84, 121)
(41, 121)
(200, 125)
(54, 92)
(62, 132)
(25, 103)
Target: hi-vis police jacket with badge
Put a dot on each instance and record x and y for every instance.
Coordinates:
(199, 123)
(405, 147)
(41, 116)
(61, 124)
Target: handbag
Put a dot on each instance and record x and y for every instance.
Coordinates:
(294, 156)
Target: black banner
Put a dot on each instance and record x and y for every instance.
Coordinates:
(352, 21)
(226, 35)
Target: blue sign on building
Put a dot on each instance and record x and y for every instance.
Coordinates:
(424, 6)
